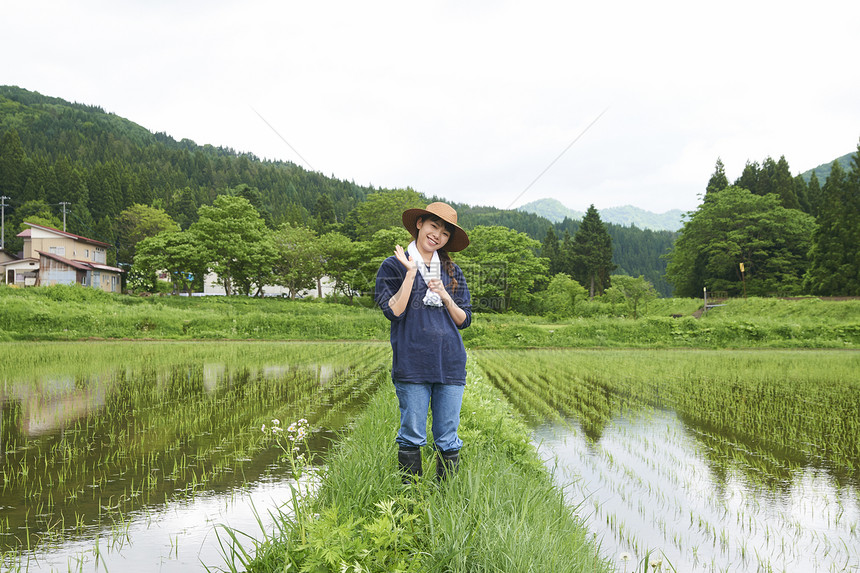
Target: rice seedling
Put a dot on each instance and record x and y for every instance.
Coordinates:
(736, 443)
(99, 432)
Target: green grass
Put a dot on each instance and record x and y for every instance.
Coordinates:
(742, 323)
(500, 513)
(75, 313)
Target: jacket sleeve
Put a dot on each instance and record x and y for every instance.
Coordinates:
(462, 297)
(388, 280)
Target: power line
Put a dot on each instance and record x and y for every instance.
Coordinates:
(551, 163)
(282, 139)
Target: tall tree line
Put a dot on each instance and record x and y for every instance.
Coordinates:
(770, 233)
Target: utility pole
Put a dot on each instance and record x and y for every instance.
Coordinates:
(3, 221)
(63, 206)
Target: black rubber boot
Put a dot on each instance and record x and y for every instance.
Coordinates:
(409, 462)
(447, 464)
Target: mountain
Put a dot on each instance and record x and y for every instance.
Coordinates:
(822, 172)
(625, 216)
(55, 153)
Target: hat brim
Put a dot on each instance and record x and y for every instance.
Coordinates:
(458, 241)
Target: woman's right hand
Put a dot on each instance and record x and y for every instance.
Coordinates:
(404, 259)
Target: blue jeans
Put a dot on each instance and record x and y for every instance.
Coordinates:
(444, 400)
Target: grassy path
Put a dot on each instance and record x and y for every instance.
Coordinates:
(500, 513)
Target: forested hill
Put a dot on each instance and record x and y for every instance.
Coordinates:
(102, 163)
(53, 151)
(822, 172)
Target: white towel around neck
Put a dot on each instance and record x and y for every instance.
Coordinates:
(434, 271)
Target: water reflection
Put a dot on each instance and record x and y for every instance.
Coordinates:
(83, 457)
(650, 484)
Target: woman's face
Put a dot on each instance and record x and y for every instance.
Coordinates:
(432, 235)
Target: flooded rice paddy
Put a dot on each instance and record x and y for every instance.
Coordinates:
(701, 461)
(126, 456)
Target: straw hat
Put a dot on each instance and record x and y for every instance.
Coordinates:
(458, 241)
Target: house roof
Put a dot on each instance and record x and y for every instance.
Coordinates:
(28, 233)
(106, 268)
(19, 262)
(81, 266)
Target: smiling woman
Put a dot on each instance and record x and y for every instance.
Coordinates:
(427, 309)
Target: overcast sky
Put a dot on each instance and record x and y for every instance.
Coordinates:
(469, 101)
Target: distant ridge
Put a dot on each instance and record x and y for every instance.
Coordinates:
(626, 216)
(822, 172)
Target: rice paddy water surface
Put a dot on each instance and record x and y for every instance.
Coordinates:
(702, 461)
(125, 456)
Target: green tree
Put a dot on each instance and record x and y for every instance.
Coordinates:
(298, 263)
(635, 292)
(502, 268)
(566, 254)
(562, 295)
(813, 194)
(173, 252)
(324, 213)
(551, 251)
(592, 253)
(13, 167)
(368, 255)
(835, 255)
(749, 177)
(255, 198)
(718, 180)
(136, 223)
(381, 210)
(782, 183)
(340, 262)
(740, 227)
(235, 241)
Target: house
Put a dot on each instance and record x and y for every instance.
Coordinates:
(52, 257)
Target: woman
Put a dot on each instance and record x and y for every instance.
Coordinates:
(424, 295)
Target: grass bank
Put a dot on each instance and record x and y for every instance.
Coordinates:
(741, 323)
(75, 313)
(500, 513)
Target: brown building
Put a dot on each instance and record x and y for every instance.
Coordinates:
(52, 257)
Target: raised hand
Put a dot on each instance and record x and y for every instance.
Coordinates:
(404, 259)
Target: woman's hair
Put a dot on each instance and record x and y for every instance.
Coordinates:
(444, 257)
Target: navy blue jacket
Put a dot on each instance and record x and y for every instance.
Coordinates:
(425, 341)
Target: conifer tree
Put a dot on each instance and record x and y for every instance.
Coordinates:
(550, 250)
(813, 194)
(749, 177)
(834, 268)
(783, 184)
(718, 180)
(592, 253)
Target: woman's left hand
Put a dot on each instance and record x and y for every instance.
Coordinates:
(437, 286)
